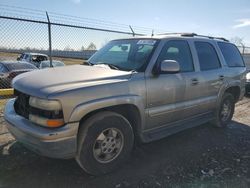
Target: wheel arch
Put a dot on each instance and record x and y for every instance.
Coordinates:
(235, 91)
(234, 88)
(131, 108)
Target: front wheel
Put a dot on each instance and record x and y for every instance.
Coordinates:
(105, 142)
(225, 111)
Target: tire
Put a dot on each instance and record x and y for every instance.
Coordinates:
(105, 141)
(223, 116)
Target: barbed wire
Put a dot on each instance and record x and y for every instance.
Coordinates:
(22, 8)
(28, 13)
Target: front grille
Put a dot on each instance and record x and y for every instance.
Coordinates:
(21, 105)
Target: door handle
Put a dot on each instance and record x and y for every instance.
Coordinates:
(194, 81)
(221, 77)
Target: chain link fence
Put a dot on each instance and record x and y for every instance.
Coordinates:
(245, 51)
(69, 39)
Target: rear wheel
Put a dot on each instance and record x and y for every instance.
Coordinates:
(225, 111)
(105, 142)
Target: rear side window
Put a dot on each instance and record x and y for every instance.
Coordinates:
(231, 54)
(207, 55)
(21, 56)
(179, 51)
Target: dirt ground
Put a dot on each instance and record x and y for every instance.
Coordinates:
(201, 157)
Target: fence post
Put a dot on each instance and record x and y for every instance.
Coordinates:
(50, 45)
(133, 33)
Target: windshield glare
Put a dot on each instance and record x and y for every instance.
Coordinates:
(131, 54)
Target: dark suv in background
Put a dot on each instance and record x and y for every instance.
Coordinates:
(9, 70)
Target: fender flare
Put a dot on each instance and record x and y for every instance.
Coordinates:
(227, 86)
(83, 109)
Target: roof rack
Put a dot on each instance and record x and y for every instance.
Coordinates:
(175, 33)
(195, 35)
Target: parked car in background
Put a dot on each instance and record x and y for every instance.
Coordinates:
(9, 70)
(46, 64)
(33, 58)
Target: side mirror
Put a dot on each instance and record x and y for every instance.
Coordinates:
(168, 66)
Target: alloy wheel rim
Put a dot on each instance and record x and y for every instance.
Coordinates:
(226, 110)
(108, 145)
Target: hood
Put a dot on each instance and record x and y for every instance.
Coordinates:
(42, 83)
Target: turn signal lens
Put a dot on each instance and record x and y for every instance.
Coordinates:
(55, 122)
(46, 122)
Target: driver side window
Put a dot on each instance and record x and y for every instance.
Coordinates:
(179, 51)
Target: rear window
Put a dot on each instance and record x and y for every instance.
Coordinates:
(231, 54)
(38, 58)
(19, 66)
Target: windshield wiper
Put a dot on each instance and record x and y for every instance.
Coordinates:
(110, 65)
(115, 67)
(87, 63)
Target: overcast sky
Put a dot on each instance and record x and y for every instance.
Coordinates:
(226, 18)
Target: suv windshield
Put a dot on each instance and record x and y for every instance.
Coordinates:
(130, 54)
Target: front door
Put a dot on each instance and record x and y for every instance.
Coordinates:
(166, 92)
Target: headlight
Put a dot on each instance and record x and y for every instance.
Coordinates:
(248, 77)
(44, 112)
(45, 104)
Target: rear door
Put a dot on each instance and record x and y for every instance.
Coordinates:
(234, 64)
(210, 77)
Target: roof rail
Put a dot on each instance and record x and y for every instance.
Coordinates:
(205, 36)
(175, 33)
(194, 35)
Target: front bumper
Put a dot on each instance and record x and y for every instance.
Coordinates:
(56, 143)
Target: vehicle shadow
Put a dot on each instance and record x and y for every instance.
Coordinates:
(199, 156)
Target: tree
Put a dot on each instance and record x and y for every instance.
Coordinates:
(68, 48)
(105, 42)
(238, 41)
(82, 48)
(91, 46)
